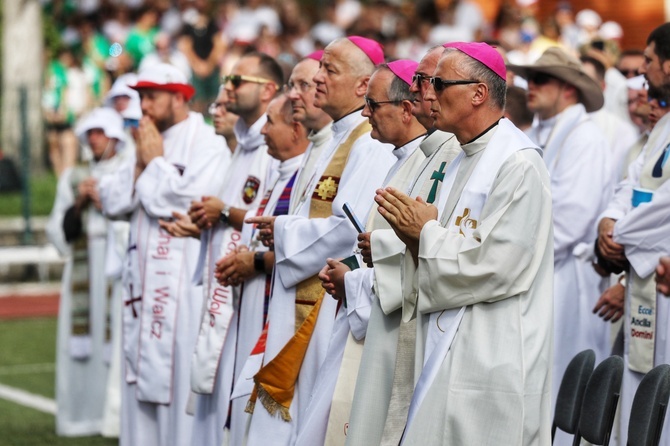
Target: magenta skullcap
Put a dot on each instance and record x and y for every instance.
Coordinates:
(484, 53)
(404, 69)
(316, 55)
(372, 49)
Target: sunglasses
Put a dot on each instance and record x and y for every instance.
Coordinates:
(237, 79)
(420, 78)
(663, 103)
(629, 72)
(440, 84)
(374, 105)
(540, 78)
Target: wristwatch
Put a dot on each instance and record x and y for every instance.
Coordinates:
(225, 214)
(259, 261)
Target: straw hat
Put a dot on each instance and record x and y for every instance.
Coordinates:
(559, 64)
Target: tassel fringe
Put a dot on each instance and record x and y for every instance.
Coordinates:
(272, 406)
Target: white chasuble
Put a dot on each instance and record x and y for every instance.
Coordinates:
(493, 386)
(328, 410)
(372, 396)
(245, 182)
(580, 164)
(301, 247)
(160, 316)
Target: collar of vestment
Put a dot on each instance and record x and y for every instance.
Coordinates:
(175, 129)
(403, 151)
(480, 142)
(346, 123)
(321, 136)
(288, 167)
(250, 138)
(433, 141)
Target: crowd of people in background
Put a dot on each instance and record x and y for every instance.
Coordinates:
(223, 166)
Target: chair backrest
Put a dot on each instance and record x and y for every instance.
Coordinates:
(571, 392)
(648, 411)
(600, 401)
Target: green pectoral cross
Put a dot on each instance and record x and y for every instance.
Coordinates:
(437, 177)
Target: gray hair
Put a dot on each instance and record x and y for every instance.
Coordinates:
(398, 90)
(478, 71)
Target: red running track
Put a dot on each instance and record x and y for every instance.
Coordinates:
(28, 306)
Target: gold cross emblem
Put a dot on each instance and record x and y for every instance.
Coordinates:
(464, 222)
(327, 188)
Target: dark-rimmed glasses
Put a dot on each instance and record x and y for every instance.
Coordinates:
(440, 84)
(237, 79)
(419, 78)
(374, 105)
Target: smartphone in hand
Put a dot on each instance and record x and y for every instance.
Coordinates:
(352, 217)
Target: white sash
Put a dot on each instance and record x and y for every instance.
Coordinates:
(443, 326)
(219, 300)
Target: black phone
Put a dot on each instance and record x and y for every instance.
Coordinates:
(352, 217)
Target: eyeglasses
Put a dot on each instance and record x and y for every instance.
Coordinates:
(301, 86)
(440, 84)
(374, 105)
(540, 78)
(237, 79)
(419, 78)
(214, 107)
(628, 73)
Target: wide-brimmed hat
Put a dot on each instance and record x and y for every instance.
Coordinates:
(164, 77)
(559, 64)
(103, 118)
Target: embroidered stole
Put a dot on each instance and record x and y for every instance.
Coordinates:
(219, 300)
(275, 382)
(642, 316)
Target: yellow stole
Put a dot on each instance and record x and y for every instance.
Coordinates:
(275, 381)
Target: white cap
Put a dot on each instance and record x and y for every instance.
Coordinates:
(588, 18)
(610, 30)
(103, 118)
(121, 88)
(165, 77)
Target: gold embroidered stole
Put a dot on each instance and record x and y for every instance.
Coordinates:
(643, 290)
(275, 381)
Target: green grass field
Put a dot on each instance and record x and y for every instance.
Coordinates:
(42, 193)
(26, 342)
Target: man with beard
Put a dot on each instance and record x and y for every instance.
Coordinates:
(633, 234)
(178, 156)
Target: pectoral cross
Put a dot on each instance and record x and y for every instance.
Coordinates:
(437, 176)
(132, 301)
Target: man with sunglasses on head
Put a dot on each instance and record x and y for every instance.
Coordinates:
(633, 234)
(580, 163)
(480, 270)
(253, 83)
(348, 170)
(178, 159)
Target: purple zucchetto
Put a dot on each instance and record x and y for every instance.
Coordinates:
(372, 49)
(404, 69)
(484, 53)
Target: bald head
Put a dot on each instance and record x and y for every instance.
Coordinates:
(342, 78)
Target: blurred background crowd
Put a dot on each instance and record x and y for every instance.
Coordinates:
(91, 43)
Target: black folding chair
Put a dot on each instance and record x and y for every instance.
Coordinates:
(600, 401)
(571, 392)
(649, 405)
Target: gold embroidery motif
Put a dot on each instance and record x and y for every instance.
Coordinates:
(464, 222)
(327, 188)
